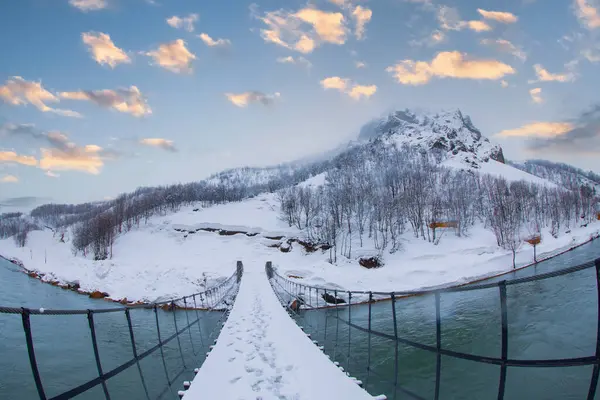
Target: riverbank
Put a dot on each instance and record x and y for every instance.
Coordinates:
(174, 255)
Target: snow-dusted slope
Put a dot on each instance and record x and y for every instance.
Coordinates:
(559, 173)
(449, 132)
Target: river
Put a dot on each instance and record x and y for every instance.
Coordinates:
(64, 348)
(551, 318)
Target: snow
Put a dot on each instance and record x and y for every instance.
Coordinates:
(156, 262)
(315, 181)
(262, 354)
(498, 169)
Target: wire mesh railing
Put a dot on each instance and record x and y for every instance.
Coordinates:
(179, 337)
(370, 322)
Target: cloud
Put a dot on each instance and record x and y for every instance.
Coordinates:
(544, 76)
(436, 37)
(12, 157)
(52, 138)
(344, 85)
(60, 153)
(500, 16)
(125, 100)
(506, 47)
(9, 179)
(536, 95)
(173, 56)
(539, 129)
(160, 143)
(579, 136)
(85, 159)
(478, 26)
(304, 30)
(329, 26)
(362, 16)
(210, 42)
(504, 84)
(17, 91)
(360, 64)
(298, 61)
(186, 23)
(358, 91)
(89, 5)
(448, 65)
(450, 20)
(243, 99)
(103, 50)
(52, 174)
(588, 13)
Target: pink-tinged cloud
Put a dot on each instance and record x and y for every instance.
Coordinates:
(346, 86)
(244, 99)
(536, 95)
(9, 179)
(126, 100)
(210, 42)
(103, 50)
(305, 29)
(451, 64)
(89, 5)
(12, 157)
(539, 129)
(588, 13)
(17, 91)
(173, 56)
(500, 16)
(186, 23)
(161, 143)
(361, 17)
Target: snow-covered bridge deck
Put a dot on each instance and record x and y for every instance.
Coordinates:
(262, 354)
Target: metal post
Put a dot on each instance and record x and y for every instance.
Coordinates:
(160, 345)
(96, 353)
(326, 317)
(349, 327)
(504, 355)
(438, 343)
(393, 297)
(135, 354)
(187, 317)
(31, 351)
(177, 333)
(369, 340)
(596, 370)
(337, 325)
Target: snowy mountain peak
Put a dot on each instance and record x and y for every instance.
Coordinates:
(448, 131)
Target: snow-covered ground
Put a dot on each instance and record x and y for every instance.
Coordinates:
(262, 354)
(155, 261)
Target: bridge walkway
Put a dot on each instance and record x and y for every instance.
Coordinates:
(262, 354)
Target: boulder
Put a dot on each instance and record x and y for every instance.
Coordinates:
(98, 295)
(370, 262)
(332, 299)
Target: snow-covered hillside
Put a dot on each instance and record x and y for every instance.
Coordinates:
(406, 172)
(561, 174)
(449, 132)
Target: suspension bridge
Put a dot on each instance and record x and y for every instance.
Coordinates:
(260, 335)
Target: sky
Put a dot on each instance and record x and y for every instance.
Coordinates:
(98, 97)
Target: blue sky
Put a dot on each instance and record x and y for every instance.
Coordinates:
(98, 97)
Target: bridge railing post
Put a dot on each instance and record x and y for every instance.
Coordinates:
(596, 370)
(504, 350)
(25, 315)
(240, 271)
(90, 316)
(269, 269)
(438, 345)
